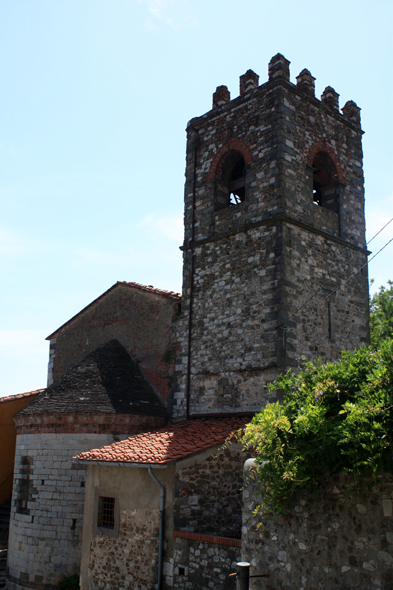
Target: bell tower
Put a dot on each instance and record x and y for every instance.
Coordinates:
(274, 232)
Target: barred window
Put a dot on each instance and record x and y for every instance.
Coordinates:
(106, 512)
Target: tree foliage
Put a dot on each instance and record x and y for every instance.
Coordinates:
(333, 417)
(381, 315)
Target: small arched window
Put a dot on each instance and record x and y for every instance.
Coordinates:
(325, 182)
(231, 180)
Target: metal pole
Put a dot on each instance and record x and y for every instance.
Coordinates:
(243, 575)
(161, 531)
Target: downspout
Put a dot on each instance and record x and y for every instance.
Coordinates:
(161, 531)
(192, 271)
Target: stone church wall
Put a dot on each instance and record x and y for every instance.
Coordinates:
(340, 539)
(208, 493)
(140, 320)
(47, 507)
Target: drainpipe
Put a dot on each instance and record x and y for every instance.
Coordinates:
(161, 532)
(192, 272)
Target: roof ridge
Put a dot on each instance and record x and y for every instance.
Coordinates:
(9, 398)
(149, 289)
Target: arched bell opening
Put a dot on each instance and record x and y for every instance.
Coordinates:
(325, 182)
(230, 186)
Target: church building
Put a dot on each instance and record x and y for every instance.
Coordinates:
(128, 470)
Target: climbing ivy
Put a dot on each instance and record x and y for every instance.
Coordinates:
(333, 417)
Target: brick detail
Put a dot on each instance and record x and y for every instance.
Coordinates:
(351, 111)
(279, 68)
(233, 144)
(321, 146)
(330, 98)
(87, 423)
(306, 83)
(221, 97)
(248, 82)
(208, 539)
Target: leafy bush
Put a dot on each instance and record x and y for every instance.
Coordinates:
(381, 315)
(333, 417)
(68, 583)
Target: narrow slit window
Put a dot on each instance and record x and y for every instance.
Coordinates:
(329, 320)
(106, 512)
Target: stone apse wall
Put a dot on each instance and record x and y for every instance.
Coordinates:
(340, 539)
(47, 507)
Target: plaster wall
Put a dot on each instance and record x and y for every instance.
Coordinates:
(9, 407)
(130, 559)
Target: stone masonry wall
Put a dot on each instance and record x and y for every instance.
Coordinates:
(340, 539)
(234, 341)
(208, 494)
(257, 263)
(201, 565)
(337, 317)
(140, 320)
(129, 561)
(47, 507)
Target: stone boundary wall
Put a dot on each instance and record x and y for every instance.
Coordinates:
(47, 508)
(340, 539)
(200, 565)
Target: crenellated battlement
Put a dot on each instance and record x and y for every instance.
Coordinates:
(278, 70)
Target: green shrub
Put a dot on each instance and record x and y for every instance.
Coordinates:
(333, 417)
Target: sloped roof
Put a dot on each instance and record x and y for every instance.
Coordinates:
(138, 286)
(106, 381)
(27, 394)
(168, 444)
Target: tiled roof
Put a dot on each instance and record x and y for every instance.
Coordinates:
(146, 288)
(151, 289)
(10, 398)
(168, 444)
(106, 381)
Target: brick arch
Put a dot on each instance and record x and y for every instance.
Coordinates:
(232, 144)
(321, 146)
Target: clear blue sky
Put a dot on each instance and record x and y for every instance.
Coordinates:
(95, 97)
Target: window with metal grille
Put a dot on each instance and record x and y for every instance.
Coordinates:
(106, 512)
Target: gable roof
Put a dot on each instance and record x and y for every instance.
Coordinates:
(106, 381)
(138, 286)
(27, 394)
(167, 444)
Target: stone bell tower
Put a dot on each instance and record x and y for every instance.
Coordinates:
(274, 235)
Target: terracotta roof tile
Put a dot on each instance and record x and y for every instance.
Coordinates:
(169, 443)
(10, 398)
